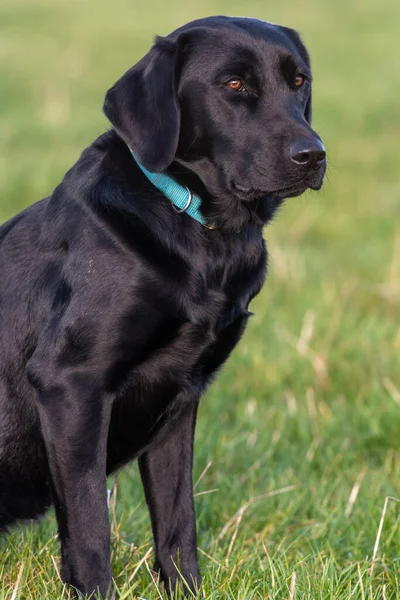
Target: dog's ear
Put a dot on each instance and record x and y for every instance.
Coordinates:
(143, 106)
(295, 38)
(308, 109)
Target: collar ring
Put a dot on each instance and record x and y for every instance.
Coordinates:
(188, 203)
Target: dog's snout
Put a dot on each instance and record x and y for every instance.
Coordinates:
(307, 153)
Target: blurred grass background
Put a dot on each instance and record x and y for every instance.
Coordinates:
(308, 407)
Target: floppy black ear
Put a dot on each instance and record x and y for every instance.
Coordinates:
(308, 110)
(143, 106)
(302, 50)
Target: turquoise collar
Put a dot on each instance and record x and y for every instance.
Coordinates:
(181, 197)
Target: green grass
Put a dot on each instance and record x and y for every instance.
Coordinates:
(307, 411)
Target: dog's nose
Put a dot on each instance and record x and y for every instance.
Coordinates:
(307, 153)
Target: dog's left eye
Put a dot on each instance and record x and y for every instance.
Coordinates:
(299, 81)
(236, 85)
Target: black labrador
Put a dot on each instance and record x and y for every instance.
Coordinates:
(116, 310)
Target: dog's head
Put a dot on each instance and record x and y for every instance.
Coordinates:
(229, 99)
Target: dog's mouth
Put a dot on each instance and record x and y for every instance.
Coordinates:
(297, 190)
(248, 194)
(290, 192)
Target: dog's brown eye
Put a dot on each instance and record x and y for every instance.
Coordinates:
(236, 85)
(299, 81)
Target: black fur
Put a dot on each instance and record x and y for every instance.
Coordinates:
(116, 311)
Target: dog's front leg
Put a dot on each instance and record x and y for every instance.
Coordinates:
(74, 420)
(166, 472)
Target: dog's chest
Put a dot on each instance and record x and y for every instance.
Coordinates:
(160, 387)
(180, 347)
(179, 362)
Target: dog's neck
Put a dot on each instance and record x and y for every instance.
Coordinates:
(224, 210)
(181, 196)
(211, 206)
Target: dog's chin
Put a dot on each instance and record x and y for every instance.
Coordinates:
(311, 183)
(290, 192)
(249, 194)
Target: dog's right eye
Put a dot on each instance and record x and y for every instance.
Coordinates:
(236, 85)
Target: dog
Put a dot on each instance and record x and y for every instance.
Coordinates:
(124, 292)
